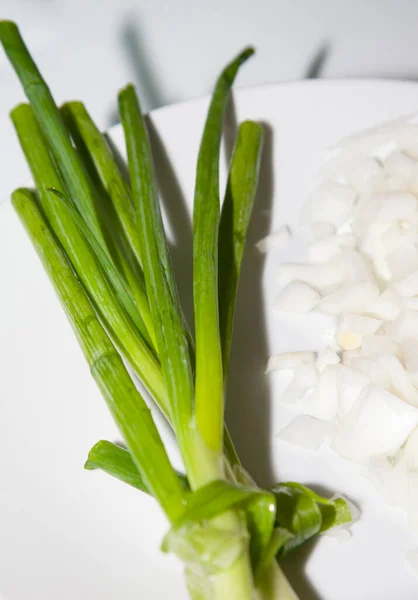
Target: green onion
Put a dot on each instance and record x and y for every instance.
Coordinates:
(105, 250)
(48, 117)
(235, 218)
(172, 339)
(209, 388)
(124, 401)
(92, 145)
(117, 461)
(128, 338)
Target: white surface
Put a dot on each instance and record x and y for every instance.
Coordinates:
(174, 49)
(67, 533)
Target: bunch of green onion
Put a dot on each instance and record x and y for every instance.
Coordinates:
(101, 240)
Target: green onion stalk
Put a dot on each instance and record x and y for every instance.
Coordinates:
(102, 243)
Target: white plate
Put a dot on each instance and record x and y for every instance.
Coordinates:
(66, 533)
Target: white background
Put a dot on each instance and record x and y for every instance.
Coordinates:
(173, 49)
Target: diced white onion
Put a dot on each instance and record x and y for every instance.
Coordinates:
(378, 423)
(350, 385)
(408, 286)
(356, 297)
(400, 384)
(410, 453)
(399, 164)
(326, 357)
(411, 303)
(398, 206)
(362, 269)
(378, 345)
(352, 328)
(331, 201)
(305, 379)
(326, 397)
(410, 355)
(318, 276)
(360, 173)
(306, 432)
(402, 263)
(390, 476)
(327, 249)
(322, 229)
(296, 297)
(405, 326)
(278, 240)
(387, 306)
(373, 369)
(289, 360)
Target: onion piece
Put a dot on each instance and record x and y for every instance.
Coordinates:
(318, 276)
(378, 423)
(296, 297)
(400, 384)
(326, 395)
(405, 325)
(350, 384)
(402, 263)
(373, 369)
(398, 206)
(289, 360)
(356, 267)
(399, 164)
(410, 353)
(328, 248)
(355, 297)
(323, 229)
(304, 379)
(387, 306)
(326, 357)
(401, 234)
(390, 477)
(331, 201)
(347, 355)
(410, 451)
(411, 303)
(277, 240)
(306, 432)
(374, 346)
(352, 328)
(362, 172)
(408, 286)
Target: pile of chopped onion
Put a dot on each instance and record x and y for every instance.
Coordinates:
(360, 394)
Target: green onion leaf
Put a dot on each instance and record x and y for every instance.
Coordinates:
(209, 403)
(95, 276)
(119, 212)
(117, 461)
(304, 513)
(127, 406)
(235, 217)
(172, 339)
(48, 117)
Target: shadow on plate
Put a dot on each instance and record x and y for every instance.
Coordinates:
(294, 568)
(317, 62)
(143, 73)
